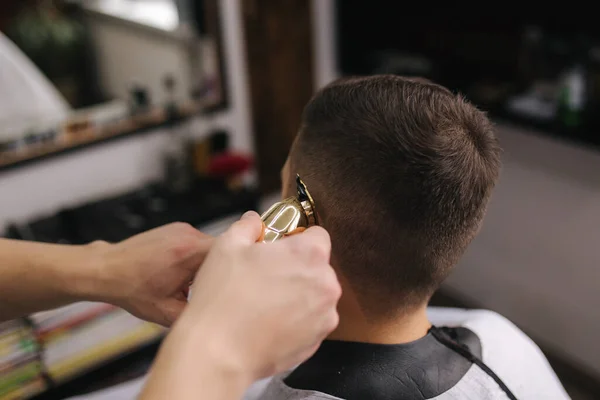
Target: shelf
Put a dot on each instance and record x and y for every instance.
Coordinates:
(67, 143)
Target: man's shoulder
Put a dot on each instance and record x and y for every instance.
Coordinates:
(274, 388)
(498, 335)
(492, 328)
(507, 350)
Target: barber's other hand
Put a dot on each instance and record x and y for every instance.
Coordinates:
(149, 274)
(264, 307)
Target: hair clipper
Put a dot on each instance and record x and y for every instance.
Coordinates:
(289, 216)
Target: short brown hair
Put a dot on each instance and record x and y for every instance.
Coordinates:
(401, 171)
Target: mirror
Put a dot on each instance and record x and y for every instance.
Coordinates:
(79, 71)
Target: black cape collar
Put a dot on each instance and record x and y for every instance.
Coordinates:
(417, 370)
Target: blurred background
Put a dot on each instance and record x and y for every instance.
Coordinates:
(117, 116)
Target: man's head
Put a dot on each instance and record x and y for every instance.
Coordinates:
(401, 171)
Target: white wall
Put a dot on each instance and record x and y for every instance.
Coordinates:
(536, 260)
(47, 186)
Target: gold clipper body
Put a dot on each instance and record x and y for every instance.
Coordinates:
(289, 216)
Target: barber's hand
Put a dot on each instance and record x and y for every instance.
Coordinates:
(264, 307)
(149, 274)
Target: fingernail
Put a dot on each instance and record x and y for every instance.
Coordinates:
(249, 214)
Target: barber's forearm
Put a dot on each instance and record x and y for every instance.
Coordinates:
(38, 276)
(191, 365)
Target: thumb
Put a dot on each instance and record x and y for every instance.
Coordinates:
(246, 231)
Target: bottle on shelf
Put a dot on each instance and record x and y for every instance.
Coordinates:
(572, 97)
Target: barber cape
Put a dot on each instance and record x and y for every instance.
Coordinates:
(469, 354)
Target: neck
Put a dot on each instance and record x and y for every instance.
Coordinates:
(404, 327)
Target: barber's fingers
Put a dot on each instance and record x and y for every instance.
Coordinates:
(329, 322)
(320, 239)
(331, 319)
(313, 249)
(313, 244)
(330, 287)
(246, 231)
